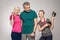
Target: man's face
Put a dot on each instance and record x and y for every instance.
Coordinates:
(41, 14)
(27, 7)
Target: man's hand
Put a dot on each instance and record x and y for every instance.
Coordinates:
(32, 34)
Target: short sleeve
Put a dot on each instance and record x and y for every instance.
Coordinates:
(21, 16)
(11, 17)
(35, 14)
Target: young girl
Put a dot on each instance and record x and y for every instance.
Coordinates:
(16, 24)
(45, 26)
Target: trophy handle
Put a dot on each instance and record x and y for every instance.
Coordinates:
(53, 14)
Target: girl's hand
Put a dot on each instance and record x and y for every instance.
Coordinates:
(52, 18)
(46, 25)
(39, 28)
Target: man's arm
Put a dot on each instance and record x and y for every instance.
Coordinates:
(35, 27)
(35, 24)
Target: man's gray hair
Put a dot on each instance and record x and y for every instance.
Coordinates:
(26, 3)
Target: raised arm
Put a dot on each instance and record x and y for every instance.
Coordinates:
(52, 22)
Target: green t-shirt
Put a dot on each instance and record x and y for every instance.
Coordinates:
(28, 21)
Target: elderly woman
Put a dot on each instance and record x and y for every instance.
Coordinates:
(16, 24)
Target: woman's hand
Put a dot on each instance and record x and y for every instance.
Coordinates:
(12, 13)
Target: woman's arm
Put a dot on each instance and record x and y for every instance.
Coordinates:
(12, 20)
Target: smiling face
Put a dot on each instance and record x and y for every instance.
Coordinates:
(16, 10)
(27, 7)
(41, 14)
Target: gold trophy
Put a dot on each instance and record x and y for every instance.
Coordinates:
(53, 14)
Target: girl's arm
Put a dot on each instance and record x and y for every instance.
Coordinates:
(52, 21)
(41, 28)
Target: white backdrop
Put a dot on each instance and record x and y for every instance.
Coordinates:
(6, 7)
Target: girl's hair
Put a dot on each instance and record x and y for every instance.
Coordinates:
(42, 11)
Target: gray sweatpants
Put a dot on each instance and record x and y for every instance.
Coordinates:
(26, 37)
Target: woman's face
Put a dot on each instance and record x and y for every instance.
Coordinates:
(17, 11)
(41, 14)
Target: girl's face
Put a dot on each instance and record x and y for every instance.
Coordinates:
(16, 10)
(41, 14)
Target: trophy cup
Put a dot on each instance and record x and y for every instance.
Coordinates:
(53, 14)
